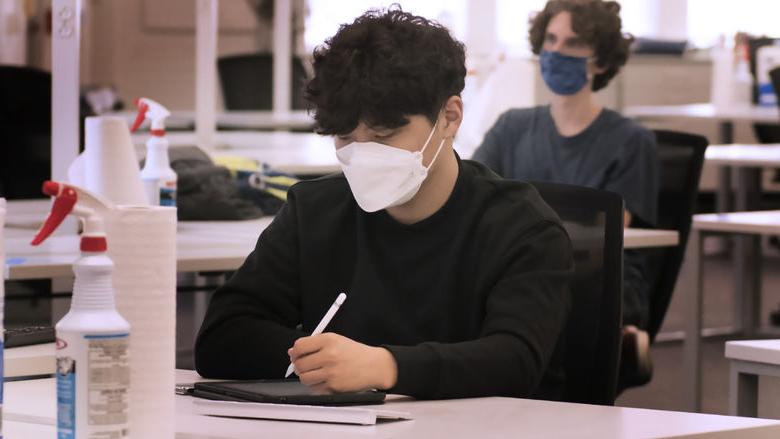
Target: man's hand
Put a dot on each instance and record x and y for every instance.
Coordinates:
(333, 363)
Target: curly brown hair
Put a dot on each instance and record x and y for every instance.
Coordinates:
(598, 23)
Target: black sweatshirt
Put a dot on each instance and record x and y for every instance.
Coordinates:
(470, 301)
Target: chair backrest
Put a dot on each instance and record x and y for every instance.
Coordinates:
(767, 132)
(682, 158)
(25, 121)
(774, 76)
(247, 82)
(594, 221)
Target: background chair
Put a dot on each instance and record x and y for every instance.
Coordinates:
(770, 132)
(247, 82)
(682, 158)
(594, 221)
(25, 124)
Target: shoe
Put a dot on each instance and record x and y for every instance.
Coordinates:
(636, 367)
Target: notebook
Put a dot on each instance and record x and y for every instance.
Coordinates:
(288, 412)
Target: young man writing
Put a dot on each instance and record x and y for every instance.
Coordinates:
(456, 280)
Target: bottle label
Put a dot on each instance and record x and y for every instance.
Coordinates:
(108, 386)
(66, 398)
(168, 196)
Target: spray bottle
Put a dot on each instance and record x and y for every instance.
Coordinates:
(93, 372)
(158, 177)
(2, 311)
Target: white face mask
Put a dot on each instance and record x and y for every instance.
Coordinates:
(382, 176)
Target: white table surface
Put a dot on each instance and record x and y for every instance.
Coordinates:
(705, 111)
(294, 153)
(755, 222)
(25, 430)
(29, 360)
(35, 402)
(744, 155)
(232, 119)
(202, 246)
(643, 238)
(759, 351)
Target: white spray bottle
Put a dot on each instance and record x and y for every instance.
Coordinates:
(158, 177)
(93, 368)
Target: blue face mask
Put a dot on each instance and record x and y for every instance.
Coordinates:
(563, 74)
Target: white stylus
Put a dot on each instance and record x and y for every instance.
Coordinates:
(323, 323)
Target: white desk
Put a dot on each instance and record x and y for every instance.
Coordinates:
(293, 153)
(645, 238)
(34, 402)
(750, 359)
(200, 246)
(708, 111)
(248, 120)
(25, 430)
(748, 161)
(753, 224)
(744, 155)
(25, 361)
(204, 246)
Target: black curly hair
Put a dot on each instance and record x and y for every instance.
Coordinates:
(385, 66)
(595, 21)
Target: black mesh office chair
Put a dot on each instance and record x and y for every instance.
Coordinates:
(25, 124)
(594, 221)
(247, 82)
(682, 158)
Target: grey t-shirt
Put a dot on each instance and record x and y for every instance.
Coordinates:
(613, 153)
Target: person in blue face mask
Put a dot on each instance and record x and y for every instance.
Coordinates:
(576, 140)
(456, 280)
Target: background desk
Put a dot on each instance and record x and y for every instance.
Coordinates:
(246, 120)
(749, 360)
(203, 246)
(725, 116)
(753, 224)
(293, 153)
(25, 361)
(748, 160)
(34, 402)
(200, 246)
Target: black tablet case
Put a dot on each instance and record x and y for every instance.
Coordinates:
(281, 392)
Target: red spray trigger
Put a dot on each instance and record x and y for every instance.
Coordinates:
(64, 202)
(139, 119)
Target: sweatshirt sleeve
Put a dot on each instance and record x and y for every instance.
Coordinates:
(525, 312)
(636, 177)
(257, 310)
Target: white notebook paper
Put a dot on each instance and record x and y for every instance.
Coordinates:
(290, 412)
